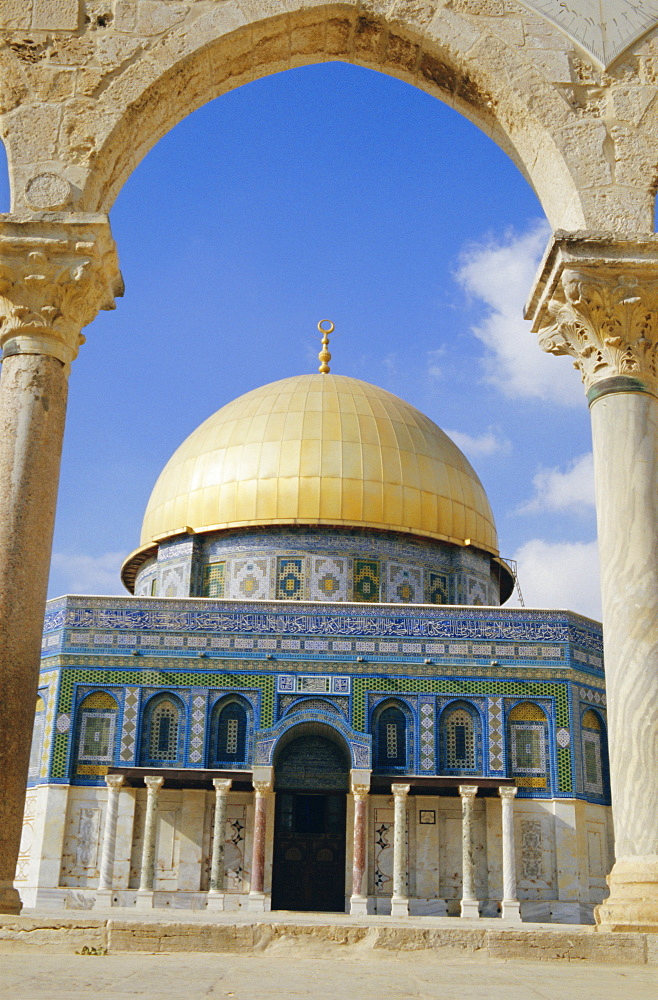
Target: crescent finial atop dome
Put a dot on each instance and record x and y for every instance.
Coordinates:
(324, 357)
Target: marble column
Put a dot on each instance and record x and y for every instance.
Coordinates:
(469, 903)
(359, 897)
(400, 900)
(257, 898)
(596, 300)
(54, 277)
(105, 882)
(215, 898)
(147, 873)
(511, 908)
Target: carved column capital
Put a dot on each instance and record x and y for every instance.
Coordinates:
(596, 299)
(153, 783)
(262, 787)
(400, 790)
(507, 791)
(222, 786)
(468, 791)
(55, 276)
(360, 791)
(114, 780)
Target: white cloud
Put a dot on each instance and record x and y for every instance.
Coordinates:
(433, 368)
(571, 490)
(489, 443)
(82, 574)
(390, 363)
(562, 575)
(500, 275)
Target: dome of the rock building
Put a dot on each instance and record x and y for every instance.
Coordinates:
(319, 450)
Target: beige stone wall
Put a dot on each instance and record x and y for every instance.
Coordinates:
(90, 86)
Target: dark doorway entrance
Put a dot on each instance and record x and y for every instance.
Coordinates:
(309, 830)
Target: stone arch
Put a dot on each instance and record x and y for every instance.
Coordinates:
(320, 743)
(514, 88)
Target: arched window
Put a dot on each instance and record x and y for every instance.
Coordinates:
(228, 733)
(97, 719)
(459, 740)
(162, 733)
(37, 739)
(528, 746)
(591, 733)
(391, 739)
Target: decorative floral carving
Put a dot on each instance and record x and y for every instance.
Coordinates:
(53, 280)
(608, 324)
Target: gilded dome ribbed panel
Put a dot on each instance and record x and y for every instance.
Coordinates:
(321, 449)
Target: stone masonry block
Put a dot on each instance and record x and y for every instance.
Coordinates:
(15, 13)
(56, 15)
(155, 18)
(125, 15)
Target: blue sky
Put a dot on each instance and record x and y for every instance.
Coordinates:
(328, 191)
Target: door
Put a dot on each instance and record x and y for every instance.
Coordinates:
(309, 852)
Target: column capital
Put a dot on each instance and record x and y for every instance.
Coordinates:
(360, 791)
(153, 782)
(222, 785)
(596, 299)
(55, 275)
(507, 791)
(400, 790)
(262, 787)
(468, 791)
(114, 780)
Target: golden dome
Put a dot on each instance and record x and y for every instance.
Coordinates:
(321, 449)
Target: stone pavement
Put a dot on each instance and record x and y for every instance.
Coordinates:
(369, 976)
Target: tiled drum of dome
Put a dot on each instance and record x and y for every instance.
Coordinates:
(328, 580)
(213, 579)
(250, 579)
(366, 581)
(438, 589)
(404, 584)
(289, 579)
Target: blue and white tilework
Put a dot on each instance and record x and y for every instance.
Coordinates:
(427, 736)
(496, 737)
(128, 746)
(198, 726)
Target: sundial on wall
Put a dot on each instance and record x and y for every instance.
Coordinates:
(604, 28)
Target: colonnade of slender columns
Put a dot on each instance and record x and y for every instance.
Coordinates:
(359, 899)
(400, 900)
(106, 879)
(147, 873)
(510, 906)
(215, 900)
(262, 789)
(469, 903)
